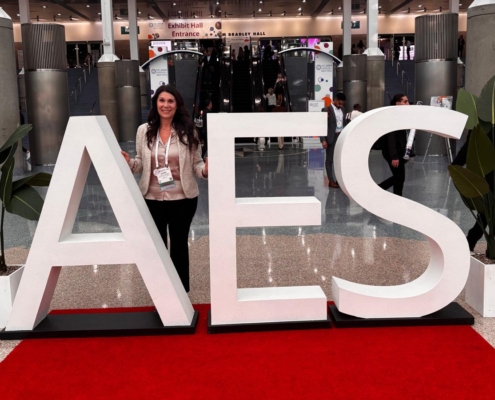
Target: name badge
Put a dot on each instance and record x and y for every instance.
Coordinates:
(165, 178)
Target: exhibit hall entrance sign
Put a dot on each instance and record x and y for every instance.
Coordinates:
(86, 140)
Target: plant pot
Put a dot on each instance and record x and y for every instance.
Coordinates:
(8, 290)
(480, 288)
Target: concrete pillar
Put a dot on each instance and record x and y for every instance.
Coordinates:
(454, 6)
(24, 13)
(47, 91)
(9, 98)
(106, 69)
(143, 88)
(133, 30)
(128, 98)
(347, 25)
(480, 46)
(376, 59)
(355, 75)
(436, 68)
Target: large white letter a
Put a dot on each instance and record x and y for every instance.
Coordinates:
(54, 245)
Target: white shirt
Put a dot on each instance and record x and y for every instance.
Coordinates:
(272, 99)
(354, 114)
(339, 116)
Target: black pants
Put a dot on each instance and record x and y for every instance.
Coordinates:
(177, 216)
(397, 179)
(329, 152)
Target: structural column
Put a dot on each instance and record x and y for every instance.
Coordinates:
(134, 45)
(376, 60)
(47, 91)
(106, 69)
(346, 41)
(9, 98)
(355, 75)
(436, 69)
(480, 46)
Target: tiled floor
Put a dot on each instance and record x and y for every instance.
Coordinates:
(351, 243)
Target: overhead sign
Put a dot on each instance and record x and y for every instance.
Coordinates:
(182, 29)
(354, 25)
(124, 30)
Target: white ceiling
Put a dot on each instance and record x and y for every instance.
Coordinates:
(79, 10)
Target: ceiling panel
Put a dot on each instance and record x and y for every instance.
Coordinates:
(47, 11)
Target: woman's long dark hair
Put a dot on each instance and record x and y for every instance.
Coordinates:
(181, 122)
(398, 97)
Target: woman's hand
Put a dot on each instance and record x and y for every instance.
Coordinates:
(205, 169)
(126, 156)
(395, 163)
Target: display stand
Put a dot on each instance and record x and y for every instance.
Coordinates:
(101, 325)
(453, 314)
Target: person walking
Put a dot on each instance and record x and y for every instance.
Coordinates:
(394, 148)
(335, 125)
(168, 157)
(279, 88)
(460, 46)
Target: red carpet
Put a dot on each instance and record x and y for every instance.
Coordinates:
(393, 363)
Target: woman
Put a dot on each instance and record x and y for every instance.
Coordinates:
(240, 55)
(168, 157)
(394, 148)
(279, 88)
(232, 56)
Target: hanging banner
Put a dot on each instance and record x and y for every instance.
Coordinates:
(323, 89)
(184, 29)
(159, 47)
(158, 73)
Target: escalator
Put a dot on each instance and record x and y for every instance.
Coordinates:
(271, 69)
(242, 96)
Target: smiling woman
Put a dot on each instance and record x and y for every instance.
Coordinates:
(168, 146)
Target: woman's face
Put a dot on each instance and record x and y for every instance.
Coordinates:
(166, 105)
(403, 101)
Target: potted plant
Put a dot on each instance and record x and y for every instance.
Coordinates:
(475, 184)
(20, 198)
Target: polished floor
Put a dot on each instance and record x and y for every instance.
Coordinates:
(351, 243)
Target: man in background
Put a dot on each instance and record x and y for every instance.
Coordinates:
(335, 125)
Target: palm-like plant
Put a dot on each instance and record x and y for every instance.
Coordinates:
(18, 197)
(476, 182)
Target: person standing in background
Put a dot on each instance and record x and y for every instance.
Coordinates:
(460, 46)
(335, 125)
(394, 148)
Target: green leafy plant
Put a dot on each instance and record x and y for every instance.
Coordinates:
(476, 182)
(18, 197)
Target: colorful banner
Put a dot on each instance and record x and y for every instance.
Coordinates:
(323, 89)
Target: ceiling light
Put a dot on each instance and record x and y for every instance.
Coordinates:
(179, 11)
(173, 4)
(379, 6)
(139, 12)
(340, 8)
(218, 2)
(331, 12)
(44, 6)
(259, 9)
(61, 14)
(18, 15)
(194, 15)
(284, 13)
(299, 9)
(261, 1)
(304, 1)
(150, 17)
(87, 6)
(420, 6)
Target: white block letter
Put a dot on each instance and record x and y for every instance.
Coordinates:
(448, 269)
(91, 139)
(230, 305)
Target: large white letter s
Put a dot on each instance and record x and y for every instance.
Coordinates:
(448, 269)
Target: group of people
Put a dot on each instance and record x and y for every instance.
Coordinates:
(242, 55)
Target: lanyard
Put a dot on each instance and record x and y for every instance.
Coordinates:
(166, 151)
